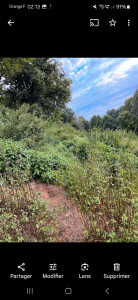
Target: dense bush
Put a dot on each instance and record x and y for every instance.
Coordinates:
(22, 125)
(45, 166)
(14, 157)
(98, 168)
(40, 138)
(24, 217)
(106, 190)
(119, 139)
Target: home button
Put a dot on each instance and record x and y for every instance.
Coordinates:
(68, 291)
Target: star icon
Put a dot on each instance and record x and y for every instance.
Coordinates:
(112, 23)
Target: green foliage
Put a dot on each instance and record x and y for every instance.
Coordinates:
(82, 123)
(128, 121)
(21, 125)
(95, 121)
(105, 186)
(118, 139)
(46, 166)
(126, 117)
(37, 80)
(108, 122)
(68, 115)
(106, 190)
(13, 158)
(113, 113)
(81, 147)
(99, 171)
(40, 138)
(134, 109)
(24, 217)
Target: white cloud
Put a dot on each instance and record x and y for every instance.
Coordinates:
(89, 74)
(86, 89)
(72, 64)
(102, 109)
(67, 64)
(79, 62)
(76, 94)
(120, 71)
(106, 64)
(79, 92)
(81, 73)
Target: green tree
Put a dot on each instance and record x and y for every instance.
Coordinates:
(95, 121)
(82, 123)
(38, 80)
(126, 120)
(108, 122)
(114, 113)
(67, 115)
(128, 104)
(128, 117)
(134, 108)
(8, 67)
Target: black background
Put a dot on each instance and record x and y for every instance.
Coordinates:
(65, 32)
(68, 256)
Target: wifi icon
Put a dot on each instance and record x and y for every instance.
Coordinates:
(101, 6)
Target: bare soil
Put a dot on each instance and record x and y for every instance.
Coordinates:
(70, 222)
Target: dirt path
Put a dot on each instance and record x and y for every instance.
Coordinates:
(69, 220)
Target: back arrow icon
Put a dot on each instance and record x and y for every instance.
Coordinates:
(10, 22)
(107, 291)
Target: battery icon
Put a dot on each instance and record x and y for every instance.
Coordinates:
(128, 6)
(44, 6)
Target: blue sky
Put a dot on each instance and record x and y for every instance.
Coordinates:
(100, 84)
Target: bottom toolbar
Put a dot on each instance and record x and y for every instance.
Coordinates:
(74, 269)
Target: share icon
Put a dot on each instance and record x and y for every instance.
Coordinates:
(20, 267)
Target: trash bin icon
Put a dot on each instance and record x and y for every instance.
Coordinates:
(116, 267)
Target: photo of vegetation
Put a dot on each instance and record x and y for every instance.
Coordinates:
(63, 178)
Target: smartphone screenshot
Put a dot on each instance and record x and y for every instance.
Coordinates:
(68, 149)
